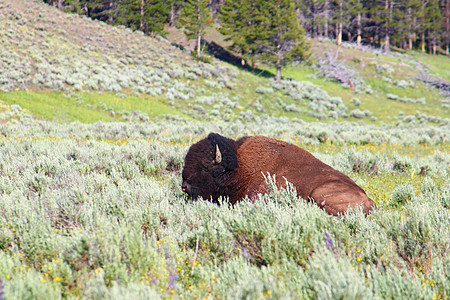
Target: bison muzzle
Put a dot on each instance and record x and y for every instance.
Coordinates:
(220, 167)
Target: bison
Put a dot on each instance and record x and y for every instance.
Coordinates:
(218, 166)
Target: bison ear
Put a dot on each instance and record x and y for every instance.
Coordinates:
(218, 155)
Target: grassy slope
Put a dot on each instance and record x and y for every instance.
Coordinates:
(78, 43)
(86, 107)
(404, 69)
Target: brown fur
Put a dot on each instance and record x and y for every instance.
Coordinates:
(314, 180)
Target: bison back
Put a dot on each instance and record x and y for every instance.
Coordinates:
(313, 179)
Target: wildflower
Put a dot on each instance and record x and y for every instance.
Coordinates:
(328, 242)
(57, 278)
(358, 259)
(43, 280)
(190, 287)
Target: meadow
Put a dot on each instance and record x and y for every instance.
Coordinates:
(94, 128)
(96, 211)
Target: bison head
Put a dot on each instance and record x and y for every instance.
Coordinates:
(208, 167)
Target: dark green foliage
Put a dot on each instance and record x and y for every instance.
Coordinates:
(239, 24)
(268, 30)
(145, 15)
(195, 17)
(384, 23)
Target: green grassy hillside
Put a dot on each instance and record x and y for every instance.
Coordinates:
(66, 61)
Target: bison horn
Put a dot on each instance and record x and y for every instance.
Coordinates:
(218, 155)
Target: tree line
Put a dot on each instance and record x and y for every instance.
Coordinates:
(273, 31)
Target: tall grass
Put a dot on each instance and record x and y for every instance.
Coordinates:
(96, 211)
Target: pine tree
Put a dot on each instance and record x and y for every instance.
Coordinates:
(312, 15)
(382, 13)
(281, 39)
(129, 13)
(268, 30)
(410, 22)
(356, 11)
(148, 16)
(339, 19)
(175, 6)
(433, 23)
(446, 23)
(100, 9)
(239, 24)
(156, 14)
(195, 17)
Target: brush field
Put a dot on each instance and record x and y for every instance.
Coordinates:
(96, 211)
(95, 122)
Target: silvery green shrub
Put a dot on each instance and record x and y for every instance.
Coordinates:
(264, 90)
(402, 194)
(98, 208)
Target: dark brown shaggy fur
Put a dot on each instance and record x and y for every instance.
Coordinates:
(238, 172)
